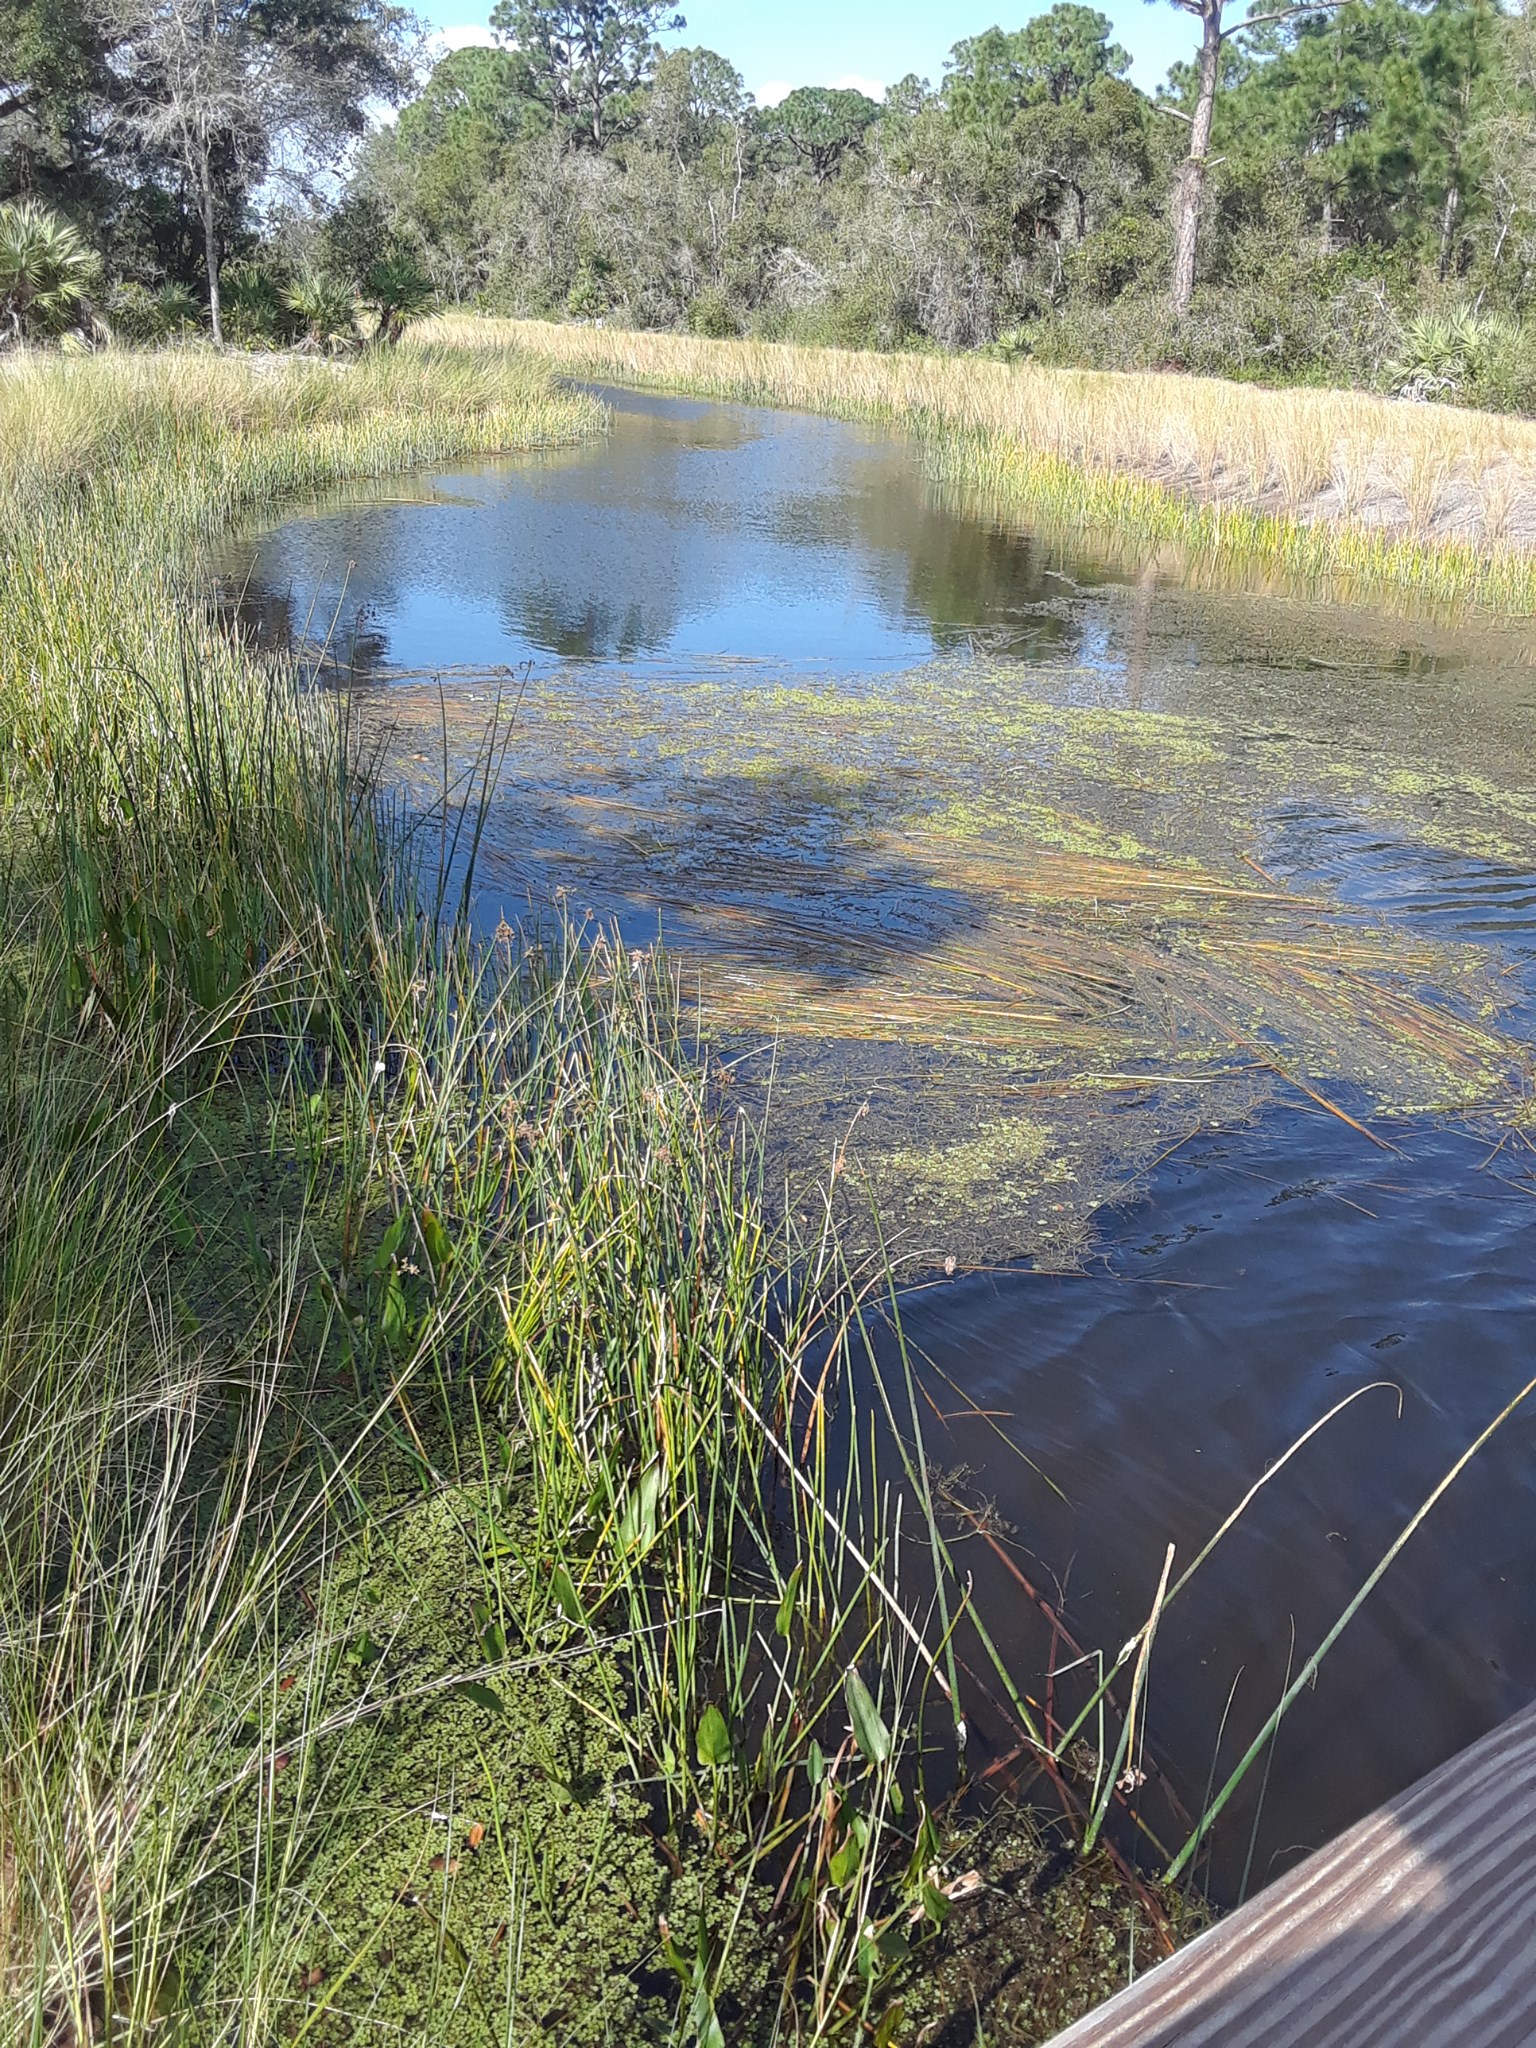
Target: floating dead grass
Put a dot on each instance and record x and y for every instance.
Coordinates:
(1050, 918)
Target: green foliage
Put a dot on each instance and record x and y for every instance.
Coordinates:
(1465, 357)
(47, 269)
(819, 124)
(396, 287)
(256, 308)
(1028, 197)
(712, 315)
(992, 77)
(325, 305)
(586, 59)
(580, 167)
(692, 99)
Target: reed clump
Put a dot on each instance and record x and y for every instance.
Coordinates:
(462, 1576)
(433, 1597)
(1309, 486)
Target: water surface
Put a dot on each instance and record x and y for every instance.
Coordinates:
(1166, 951)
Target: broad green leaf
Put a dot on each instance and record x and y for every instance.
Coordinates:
(436, 1239)
(565, 1595)
(472, 1689)
(713, 1740)
(388, 1246)
(703, 2023)
(815, 1763)
(890, 2025)
(784, 1620)
(869, 1731)
(637, 1524)
(394, 1318)
(843, 1863)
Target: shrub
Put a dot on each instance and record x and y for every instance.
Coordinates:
(713, 316)
(46, 270)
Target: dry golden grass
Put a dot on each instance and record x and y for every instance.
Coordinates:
(1315, 483)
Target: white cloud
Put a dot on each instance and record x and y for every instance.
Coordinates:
(468, 36)
(775, 90)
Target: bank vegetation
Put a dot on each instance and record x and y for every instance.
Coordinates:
(1328, 489)
(445, 1588)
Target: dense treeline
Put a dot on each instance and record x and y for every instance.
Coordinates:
(1342, 193)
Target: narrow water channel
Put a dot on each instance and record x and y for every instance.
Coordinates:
(1166, 950)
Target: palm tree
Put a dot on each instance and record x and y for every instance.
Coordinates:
(327, 305)
(398, 287)
(46, 269)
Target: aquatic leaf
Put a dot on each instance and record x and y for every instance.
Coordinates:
(843, 1863)
(815, 1763)
(482, 1695)
(389, 1244)
(869, 1731)
(436, 1239)
(394, 1318)
(566, 1595)
(783, 1621)
(638, 1523)
(935, 1905)
(890, 2025)
(703, 2023)
(713, 1740)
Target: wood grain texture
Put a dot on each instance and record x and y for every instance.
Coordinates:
(1416, 1929)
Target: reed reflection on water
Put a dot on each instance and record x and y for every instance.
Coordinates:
(1062, 869)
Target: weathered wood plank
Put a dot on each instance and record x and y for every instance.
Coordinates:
(1416, 1929)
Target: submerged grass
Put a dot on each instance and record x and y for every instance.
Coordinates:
(1233, 480)
(434, 1601)
(1055, 917)
(451, 1586)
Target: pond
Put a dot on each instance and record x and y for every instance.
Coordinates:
(1157, 959)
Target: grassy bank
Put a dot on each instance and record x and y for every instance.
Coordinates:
(436, 1602)
(1309, 487)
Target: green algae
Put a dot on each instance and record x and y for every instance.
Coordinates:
(1047, 1938)
(497, 1855)
(985, 865)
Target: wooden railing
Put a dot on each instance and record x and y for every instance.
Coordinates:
(1416, 1929)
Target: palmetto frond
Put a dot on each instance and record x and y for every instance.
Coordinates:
(46, 268)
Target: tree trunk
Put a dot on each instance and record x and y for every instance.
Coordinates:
(1190, 188)
(210, 248)
(1448, 216)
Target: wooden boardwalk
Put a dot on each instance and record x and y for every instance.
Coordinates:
(1416, 1929)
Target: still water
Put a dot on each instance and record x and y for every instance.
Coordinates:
(1167, 951)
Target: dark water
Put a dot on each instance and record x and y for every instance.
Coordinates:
(664, 602)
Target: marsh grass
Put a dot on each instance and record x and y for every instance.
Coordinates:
(1232, 479)
(450, 1585)
(399, 1381)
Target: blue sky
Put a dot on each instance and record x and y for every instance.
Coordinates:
(777, 44)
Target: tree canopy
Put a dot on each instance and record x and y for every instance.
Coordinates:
(587, 59)
(992, 77)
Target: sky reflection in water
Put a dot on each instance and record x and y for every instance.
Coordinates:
(1267, 1270)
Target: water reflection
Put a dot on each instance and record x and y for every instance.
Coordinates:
(968, 815)
(810, 548)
